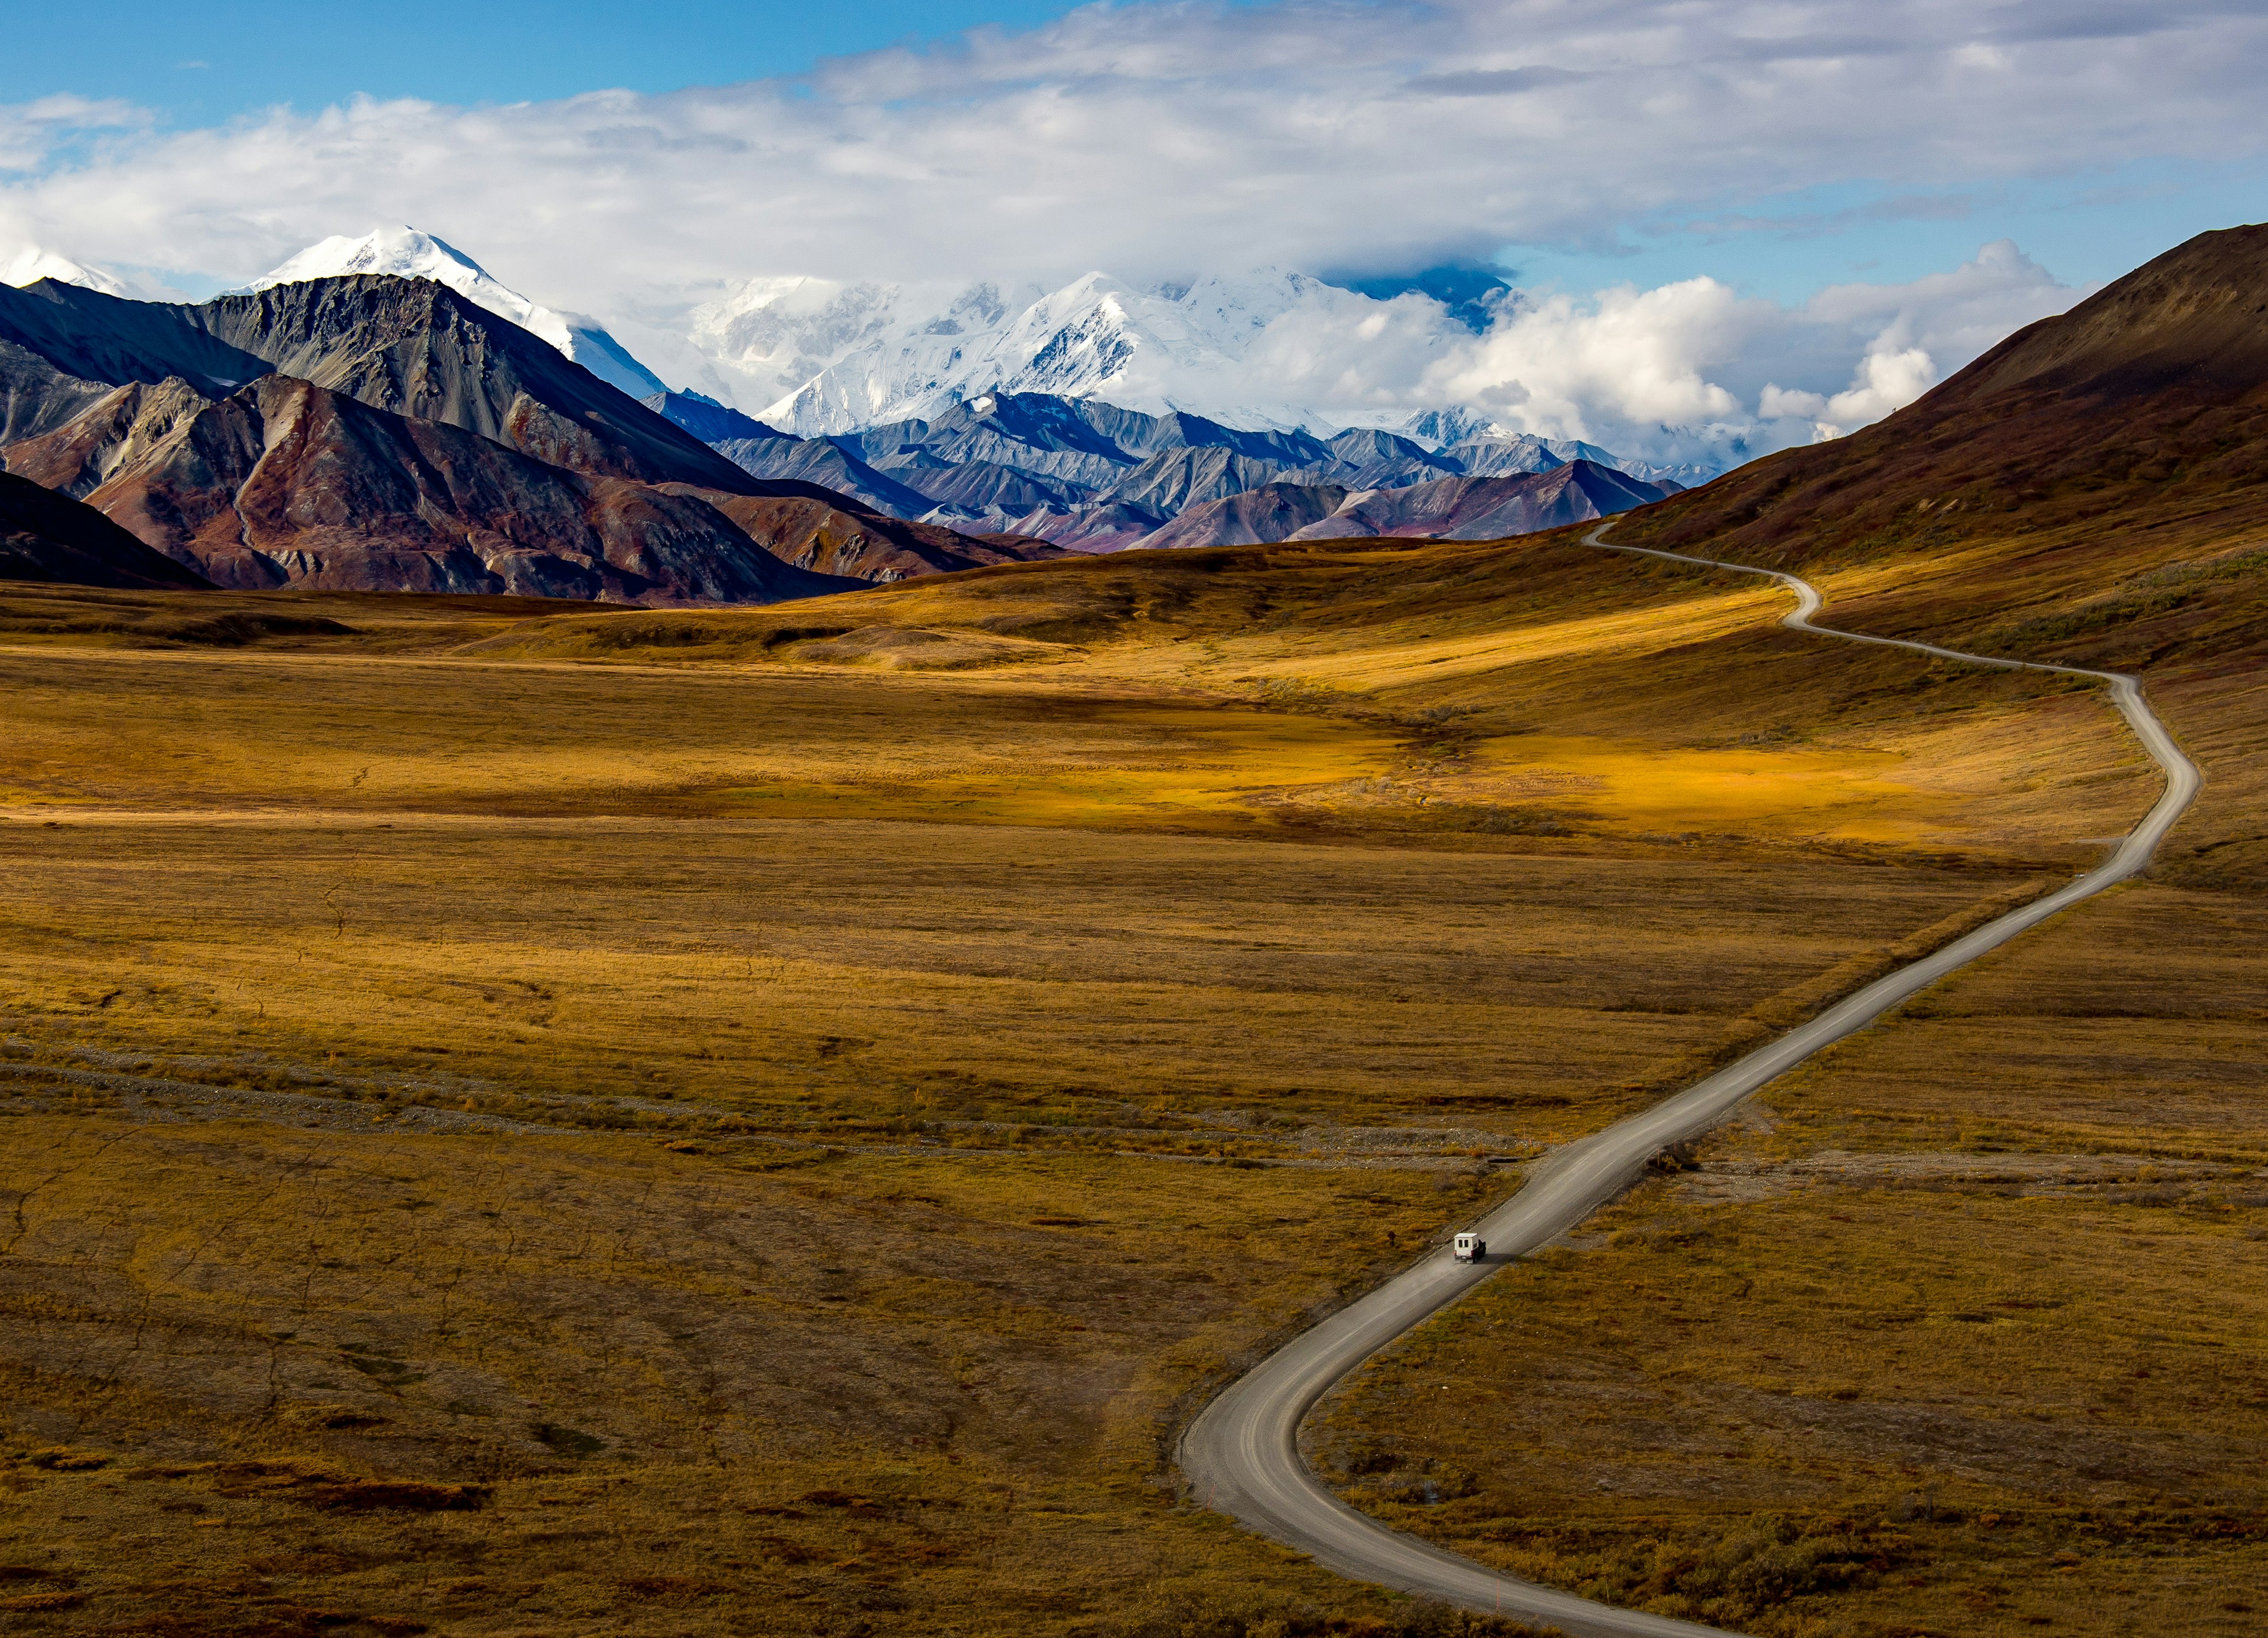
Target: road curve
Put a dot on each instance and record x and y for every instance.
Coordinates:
(1242, 1453)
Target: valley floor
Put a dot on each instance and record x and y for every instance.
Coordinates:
(766, 1122)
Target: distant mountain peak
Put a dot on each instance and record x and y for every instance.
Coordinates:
(405, 251)
(836, 358)
(33, 262)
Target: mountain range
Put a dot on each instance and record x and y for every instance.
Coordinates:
(817, 359)
(379, 433)
(1091, 476)
(852, 360)
(382, 413)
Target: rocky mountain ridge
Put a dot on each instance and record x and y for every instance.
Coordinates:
(1462, 508)
(431, 444)
(406, 252)
(284, 483)
(1093, 476)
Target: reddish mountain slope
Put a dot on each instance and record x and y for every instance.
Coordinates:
(285, 483)
(1274, 512)
(861, 544)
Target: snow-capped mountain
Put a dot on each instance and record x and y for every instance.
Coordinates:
(816, 359)
(31, 263)
(406, 252)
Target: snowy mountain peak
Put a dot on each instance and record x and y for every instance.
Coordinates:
(401, 251)
(406, 252)
(825, 358)
(33, 262)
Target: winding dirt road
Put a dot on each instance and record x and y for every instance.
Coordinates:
(1242, 1453)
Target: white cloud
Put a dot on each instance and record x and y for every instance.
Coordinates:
(1157, 139)
(1664, 373)
(31, 133)
(1917, 334)
(1161, 139)
(1887, 379)
(1560, 368)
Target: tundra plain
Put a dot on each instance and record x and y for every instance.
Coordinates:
(763, 1121)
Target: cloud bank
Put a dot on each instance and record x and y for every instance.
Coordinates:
(1163, 140)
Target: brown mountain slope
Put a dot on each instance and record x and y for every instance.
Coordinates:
(861, 544)
(2082, 449)
(1488, 508)
(283, 483)
(1274, 512)
(49, 537)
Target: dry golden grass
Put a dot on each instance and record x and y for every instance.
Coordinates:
(631, 1389)
(1058, 979)
(1958, 1395)
(894, 981)
(1961, 1332)
(1535, 676)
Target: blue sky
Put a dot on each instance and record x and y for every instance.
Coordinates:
(2088, 228)
(197, 64)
